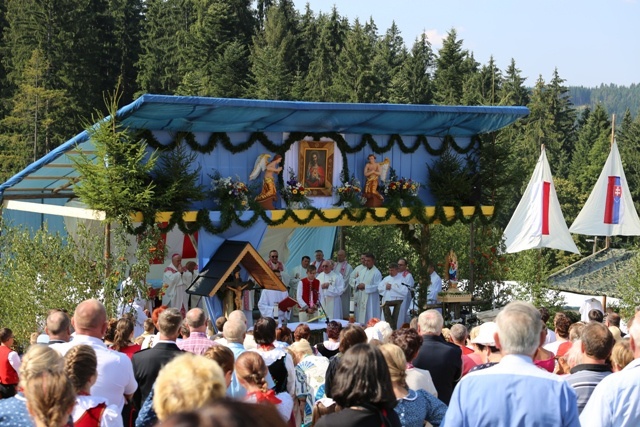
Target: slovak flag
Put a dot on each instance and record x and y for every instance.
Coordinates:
(613, 209)
(538, 221)
(609, 210)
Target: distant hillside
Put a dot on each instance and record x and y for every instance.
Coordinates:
(616, 99)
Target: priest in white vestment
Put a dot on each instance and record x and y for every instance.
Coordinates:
(353, 278)
(365, 290)
(393, 293)
(268, 302)
(344, 269)
(174, 287)
(331, 289)
(407, 279)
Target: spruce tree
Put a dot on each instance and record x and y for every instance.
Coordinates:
(116, 178)
(513, 91)
(450, 71)
(592, 149)
(388, 58)
(564, 117)
(482, 87)
(354, 78)
(161, 58)
(412, 84)
(36, 111)
(273, 55)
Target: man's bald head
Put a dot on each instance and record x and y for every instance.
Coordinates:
(238, 315)
(196, 320)
(58, 325)
(90, 318)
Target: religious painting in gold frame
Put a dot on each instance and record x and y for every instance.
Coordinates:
(315, 166)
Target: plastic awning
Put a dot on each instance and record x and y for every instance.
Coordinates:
(52, 175)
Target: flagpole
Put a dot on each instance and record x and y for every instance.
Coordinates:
(607, 240)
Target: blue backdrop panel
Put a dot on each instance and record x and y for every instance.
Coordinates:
(305, 241)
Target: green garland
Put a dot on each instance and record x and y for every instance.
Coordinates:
(259, 137)
(358, 215)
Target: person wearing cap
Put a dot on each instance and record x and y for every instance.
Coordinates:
(596, 344)
(487, 345)
(515, 391)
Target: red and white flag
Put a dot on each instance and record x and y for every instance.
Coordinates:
(609, 210)
(538, 221)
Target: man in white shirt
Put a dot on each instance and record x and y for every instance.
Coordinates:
(365, 289)
(407, 279)
(331, 288)
(393, 294)
(115, 372)
(344, 269)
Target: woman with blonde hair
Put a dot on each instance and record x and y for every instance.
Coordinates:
(39, 358)
(50, 398)
(414, 407)
(251, 371)
(621, 355)
(81, 366)
(186, 383)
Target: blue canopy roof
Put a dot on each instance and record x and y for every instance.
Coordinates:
(199, 114)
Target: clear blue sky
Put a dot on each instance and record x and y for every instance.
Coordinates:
(589, 41)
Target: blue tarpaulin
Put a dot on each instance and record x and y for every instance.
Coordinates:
(207, 115)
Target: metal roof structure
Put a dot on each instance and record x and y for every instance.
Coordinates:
(596, 274)
(53, 175)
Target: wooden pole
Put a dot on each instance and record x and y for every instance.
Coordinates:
(607, 239)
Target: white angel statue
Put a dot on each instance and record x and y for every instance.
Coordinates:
(268, 195)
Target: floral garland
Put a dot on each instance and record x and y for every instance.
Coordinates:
(259, 137)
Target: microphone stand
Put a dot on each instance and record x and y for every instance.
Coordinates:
(319, 304)
(413, 300)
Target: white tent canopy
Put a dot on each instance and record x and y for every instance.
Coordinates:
(609, 211)
(538, 221)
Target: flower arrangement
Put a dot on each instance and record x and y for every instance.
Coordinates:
(349, 193)
(294, 193)
(231, 194)
(398, 192)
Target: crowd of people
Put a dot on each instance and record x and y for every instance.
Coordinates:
(95, 371)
